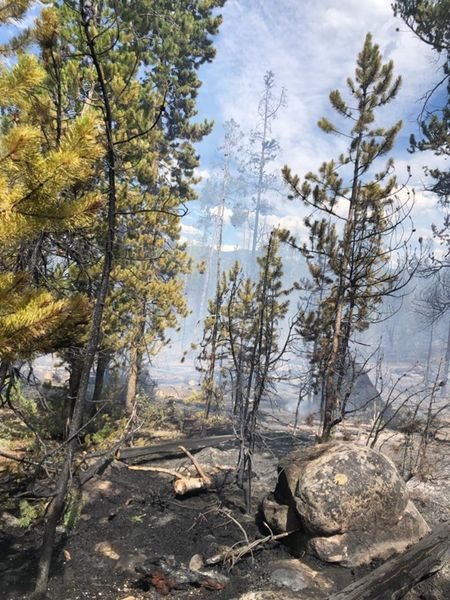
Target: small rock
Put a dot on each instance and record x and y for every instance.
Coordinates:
(127, 563)
(297, 576)
(105, 549)
(9, 520)
(196, 563)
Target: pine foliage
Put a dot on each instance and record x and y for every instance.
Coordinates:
(351, 228)
(38, 180)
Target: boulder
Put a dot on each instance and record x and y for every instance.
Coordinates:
(348, 501)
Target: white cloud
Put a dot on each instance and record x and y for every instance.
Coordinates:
(295, 224)
(202, 173)
(189, 230)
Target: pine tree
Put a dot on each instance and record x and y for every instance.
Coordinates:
(37, 183)
(349, 248)
(430, 22)
(13, 11)
(139, 70)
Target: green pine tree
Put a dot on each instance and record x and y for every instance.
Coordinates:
(430, 21)
(350, 246)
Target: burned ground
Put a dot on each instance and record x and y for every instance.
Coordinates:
(130, 517)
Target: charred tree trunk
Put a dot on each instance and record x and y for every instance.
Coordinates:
(76, 365)
(4, 368)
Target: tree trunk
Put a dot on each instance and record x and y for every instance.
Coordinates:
(429, 356)
(259, 187)
(103, 360)
(56, 506)
(330, 392)
(398, 575)
(446, 364)
(135, 358)
(4, 367)
(76, 365)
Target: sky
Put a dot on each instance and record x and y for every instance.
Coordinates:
(311, 46)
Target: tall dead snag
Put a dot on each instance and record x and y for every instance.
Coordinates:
(264, 150)
(350, 247)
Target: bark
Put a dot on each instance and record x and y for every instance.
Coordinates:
(135, 358)
(171, 448)
(103, 360)
(446, 364)
(330, 394)
(4, 367)
(76, 366)
(398, 575)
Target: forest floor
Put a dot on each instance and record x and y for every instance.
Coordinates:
(128, 517)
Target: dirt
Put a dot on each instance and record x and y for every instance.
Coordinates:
(130, 517)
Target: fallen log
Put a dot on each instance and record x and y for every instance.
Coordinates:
(171, 448)
(393, 579)
(183, 483)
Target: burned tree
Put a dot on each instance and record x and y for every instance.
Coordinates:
(244, 335)
(263, 150)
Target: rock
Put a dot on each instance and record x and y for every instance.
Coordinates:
(280, 516)
(127, 563)
(196, 563)
(9, 520)
(105, 549)
(350, 500)
(296, 576)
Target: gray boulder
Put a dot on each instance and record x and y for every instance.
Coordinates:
(348, 501)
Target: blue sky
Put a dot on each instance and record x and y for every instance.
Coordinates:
(311, 46)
